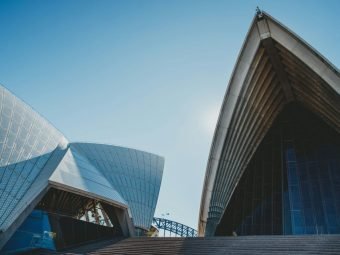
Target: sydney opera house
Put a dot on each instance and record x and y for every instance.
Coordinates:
(274, 163)
(272, 178)
(55, 194)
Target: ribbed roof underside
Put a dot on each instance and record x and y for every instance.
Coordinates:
(310, 89)
(274, 76)
(259, 104)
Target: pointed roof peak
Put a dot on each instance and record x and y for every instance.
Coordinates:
(259, 13)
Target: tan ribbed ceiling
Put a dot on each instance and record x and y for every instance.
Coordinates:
(274, 77)
(310, 89)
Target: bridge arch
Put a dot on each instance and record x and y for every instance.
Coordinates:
(174, 227)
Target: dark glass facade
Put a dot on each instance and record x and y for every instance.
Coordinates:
(292, 184)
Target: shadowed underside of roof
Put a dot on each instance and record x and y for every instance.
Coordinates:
(274, 68)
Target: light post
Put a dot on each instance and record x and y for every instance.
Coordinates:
(163, 216)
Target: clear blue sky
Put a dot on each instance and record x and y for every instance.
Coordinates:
(149, 75)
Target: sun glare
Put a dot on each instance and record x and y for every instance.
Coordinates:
(210, 117)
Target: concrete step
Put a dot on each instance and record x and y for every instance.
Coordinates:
(304, 244)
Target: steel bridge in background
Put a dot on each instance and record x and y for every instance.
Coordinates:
(174, 227)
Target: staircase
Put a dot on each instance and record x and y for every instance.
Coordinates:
(304, 244)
